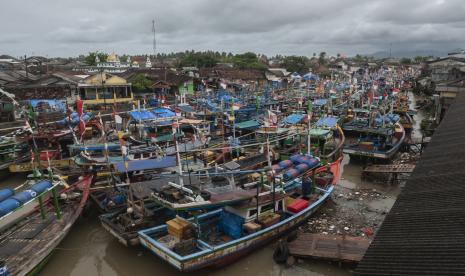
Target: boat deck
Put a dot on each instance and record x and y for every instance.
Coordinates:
(336, 248)
(33, 236)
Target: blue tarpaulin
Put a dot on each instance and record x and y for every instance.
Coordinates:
(148, 164)
(327, 122)
(163, 113)
(293, 119)
(320, 102)
(142, 115)
(147, 115)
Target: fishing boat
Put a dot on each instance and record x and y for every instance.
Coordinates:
(376, 143)
(219, 237)
(26, 246)
(16, 203)
(327, 139)
(128, 206)
(12, 151)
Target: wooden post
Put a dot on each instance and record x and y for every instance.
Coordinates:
(41, 207)
(56, 205)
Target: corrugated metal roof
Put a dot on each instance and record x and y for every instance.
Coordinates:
(424, 233)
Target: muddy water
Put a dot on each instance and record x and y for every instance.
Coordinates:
(90, 250)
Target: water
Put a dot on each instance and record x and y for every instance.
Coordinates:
(90, 250)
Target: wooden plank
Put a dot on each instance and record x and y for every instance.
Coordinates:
(400, 168)
(338, 248)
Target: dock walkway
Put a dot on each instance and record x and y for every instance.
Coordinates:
(399, 168)
(329, 247)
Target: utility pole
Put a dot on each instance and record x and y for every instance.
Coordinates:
(390, 50)
(154, 42)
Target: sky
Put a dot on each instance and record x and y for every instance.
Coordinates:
(292, 27)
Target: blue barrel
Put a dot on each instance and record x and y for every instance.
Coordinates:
(119, 199)
(24, 196)
(86, 117)
(312, 162)
(8, 205)
(302, 168)
(294, 158)
(290, 174)
(6, 193)
(41, 186)
(285, 164)
(306, 186)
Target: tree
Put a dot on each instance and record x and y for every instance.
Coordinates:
(299, 64)
(248, 60)
(141, 82)
(199, 59)
(322, 58)
(90, 58)
(420, 59)
(405, 61)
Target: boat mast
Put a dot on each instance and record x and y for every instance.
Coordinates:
(178, 155)
(309, 116)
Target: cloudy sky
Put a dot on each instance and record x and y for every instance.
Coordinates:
(70, 28)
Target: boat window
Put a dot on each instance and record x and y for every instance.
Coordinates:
(265, 208)
(252, 212)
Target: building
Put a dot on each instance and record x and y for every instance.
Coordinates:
(103, 89)
(448, 77)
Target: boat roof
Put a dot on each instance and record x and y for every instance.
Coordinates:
(328, 122)
(186, 108)
(147, 164)
(319, 132)
(250, 124)
(293, 119)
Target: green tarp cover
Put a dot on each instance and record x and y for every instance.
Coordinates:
(248, 124)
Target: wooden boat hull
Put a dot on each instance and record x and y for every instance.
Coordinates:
(27, 166)
(29, 255)
(226, 253)
(231, 252)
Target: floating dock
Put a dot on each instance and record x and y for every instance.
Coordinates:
(399, 168)
(329, 247)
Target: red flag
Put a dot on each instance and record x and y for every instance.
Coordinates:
(370, 96)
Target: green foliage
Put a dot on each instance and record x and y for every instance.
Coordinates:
(299, 64)
(90, 58)
(420, 59)
(405, 61)
(200, 59)
(248, 60)
(141, 82)
(322, 58)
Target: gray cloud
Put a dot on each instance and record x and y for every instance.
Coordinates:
(66, 27)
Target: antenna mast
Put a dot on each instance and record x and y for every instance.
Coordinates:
(154, 41)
